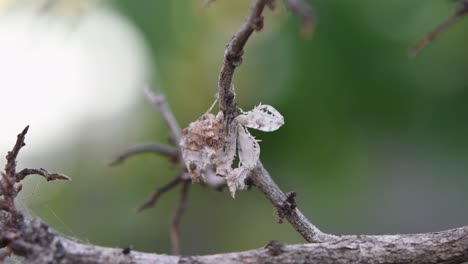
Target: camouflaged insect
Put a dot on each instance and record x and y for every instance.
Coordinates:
(207, 147)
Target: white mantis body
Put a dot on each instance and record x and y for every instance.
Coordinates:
(207, 147)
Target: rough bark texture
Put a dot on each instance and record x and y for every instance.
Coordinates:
(262, 180)
(233, 58)
(40, 245)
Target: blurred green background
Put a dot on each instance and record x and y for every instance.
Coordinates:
(374, 142)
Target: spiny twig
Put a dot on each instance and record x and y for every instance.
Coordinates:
(7, 183)
(460, 12)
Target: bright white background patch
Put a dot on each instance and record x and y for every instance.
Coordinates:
(55, 75)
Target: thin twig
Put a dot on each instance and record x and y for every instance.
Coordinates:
(233, 58)
(460, 12)
(160, 191)
(159, 101)
(48, 176)
(262, 179)
(10, 167)
(155, 148)
(303, 10)
(175, 223)
(7, 182)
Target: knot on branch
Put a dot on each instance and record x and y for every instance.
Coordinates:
(257, 23)
(59, 253)
(234, 59)
(188, 260)
(127, 250)
(275, 248)
(287, 206)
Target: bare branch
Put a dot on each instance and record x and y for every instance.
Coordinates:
(8, 179)
(233, 58)
(48, 176)
(160, 191)
(38, 244)
(460, 12)
(10, 167)
(226, 96)
(155, 148)
(159, 101)
(175, 223)
(262, 179)
(302, 9)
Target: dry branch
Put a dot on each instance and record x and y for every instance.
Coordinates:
(33, 239)
(161, 190)
(39, 245)
(233, 58)
(159, 101)
(460, 12)
(8, 189)
(10, 167)
(155, 148)
(301, 9)
(262, 180)
(227, 104)
(175, 224)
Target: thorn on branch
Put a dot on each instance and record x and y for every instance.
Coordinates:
(287, 207)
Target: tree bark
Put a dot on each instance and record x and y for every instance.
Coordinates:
(40, 245)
